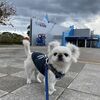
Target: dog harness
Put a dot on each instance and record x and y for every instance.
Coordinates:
(39, 60)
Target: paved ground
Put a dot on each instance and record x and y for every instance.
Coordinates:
(82, 82)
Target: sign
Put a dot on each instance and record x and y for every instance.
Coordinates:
(41, 24)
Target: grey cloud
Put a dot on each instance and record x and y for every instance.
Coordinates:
(79, 9)
(58, 6)
(58, 10)
(80, 6)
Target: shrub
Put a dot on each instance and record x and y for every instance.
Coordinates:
(10, 38)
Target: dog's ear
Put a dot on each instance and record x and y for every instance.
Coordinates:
(52, 45)
(75, 51)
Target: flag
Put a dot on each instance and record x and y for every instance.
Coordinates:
(46, 19)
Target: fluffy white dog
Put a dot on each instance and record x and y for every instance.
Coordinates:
(60, 59)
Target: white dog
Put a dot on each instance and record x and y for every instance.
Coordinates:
(59, 61)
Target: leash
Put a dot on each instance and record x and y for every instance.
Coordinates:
(46, 81)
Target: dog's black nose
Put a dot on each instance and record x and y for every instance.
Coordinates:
(60, 57)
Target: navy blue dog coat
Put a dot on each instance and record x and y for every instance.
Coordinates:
(39, 60)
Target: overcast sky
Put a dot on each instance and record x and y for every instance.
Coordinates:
(81, 13)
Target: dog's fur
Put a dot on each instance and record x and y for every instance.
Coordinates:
(60, 57)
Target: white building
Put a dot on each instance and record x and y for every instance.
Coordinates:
(51, 30)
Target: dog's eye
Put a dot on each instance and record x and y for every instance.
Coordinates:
(66, 54)
(55, 54)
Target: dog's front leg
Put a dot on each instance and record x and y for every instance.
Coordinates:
(51, 88)
(52, 82)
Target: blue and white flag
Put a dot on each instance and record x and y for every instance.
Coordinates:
(46, 19)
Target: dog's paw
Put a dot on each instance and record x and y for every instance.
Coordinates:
(54, 89)
(38, 80)
(29, 81)
(51, 91)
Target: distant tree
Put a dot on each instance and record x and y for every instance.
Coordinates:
(17, 39)
(10, 38)
(6, 10)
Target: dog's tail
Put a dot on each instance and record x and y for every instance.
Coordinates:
(26, 43)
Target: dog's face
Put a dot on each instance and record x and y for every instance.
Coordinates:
(62, 54)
